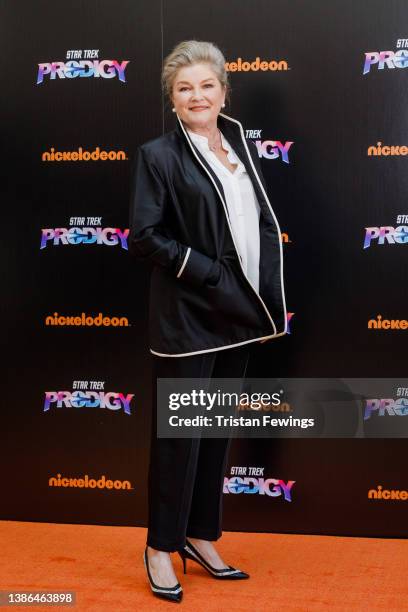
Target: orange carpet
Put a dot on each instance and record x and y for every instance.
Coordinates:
(103, 565)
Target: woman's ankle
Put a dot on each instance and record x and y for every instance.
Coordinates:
(204, 541)
(154, 552)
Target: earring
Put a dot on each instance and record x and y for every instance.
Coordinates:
(223, 106)
(173, 109)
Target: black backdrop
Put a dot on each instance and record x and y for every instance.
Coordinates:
(325, 194)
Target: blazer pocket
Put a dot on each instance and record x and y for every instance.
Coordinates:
(214, 274)
(226, 292)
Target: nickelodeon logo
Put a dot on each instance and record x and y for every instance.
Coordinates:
(82, 155)
(86, 321)
(386, 150)
(244, 66)
(387, 494)
(89, 483)
(281, 407)
(380, 323)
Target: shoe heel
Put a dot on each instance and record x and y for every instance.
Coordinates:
(184, 560)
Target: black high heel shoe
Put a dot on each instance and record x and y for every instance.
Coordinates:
(227, 573)
(170, 593)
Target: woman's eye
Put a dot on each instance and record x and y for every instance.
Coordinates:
(206, 85)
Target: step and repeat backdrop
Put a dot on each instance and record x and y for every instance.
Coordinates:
(320, 87)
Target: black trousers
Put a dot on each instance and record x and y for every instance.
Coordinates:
(186, 475)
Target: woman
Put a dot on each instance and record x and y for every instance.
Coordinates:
(200, 213)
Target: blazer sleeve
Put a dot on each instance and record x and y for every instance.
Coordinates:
(147, 236)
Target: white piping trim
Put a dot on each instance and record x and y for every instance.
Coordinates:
(165, 590)
(273, 215)
(184, 262)
(217, 348)
(226, 214)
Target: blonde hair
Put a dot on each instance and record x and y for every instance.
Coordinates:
(189, 52)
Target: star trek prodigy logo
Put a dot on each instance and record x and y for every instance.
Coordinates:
(387, 406)
(84, 230)
(88, 394)
(289, 316)
(83, 63)
(251, 480)
(387, 59)
(270, 149)
(387, 234)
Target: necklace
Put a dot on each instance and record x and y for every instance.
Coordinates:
(215, 146)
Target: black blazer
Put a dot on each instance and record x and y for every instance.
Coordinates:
(200, 297)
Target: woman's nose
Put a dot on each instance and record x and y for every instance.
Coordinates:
(197, 95)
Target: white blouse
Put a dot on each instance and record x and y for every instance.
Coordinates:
(242, 204)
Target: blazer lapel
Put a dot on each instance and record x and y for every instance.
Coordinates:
(232, 131)
(189, 143)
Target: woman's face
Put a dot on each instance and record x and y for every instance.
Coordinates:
(198, 96)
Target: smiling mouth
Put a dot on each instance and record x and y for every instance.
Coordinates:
(195, 108)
